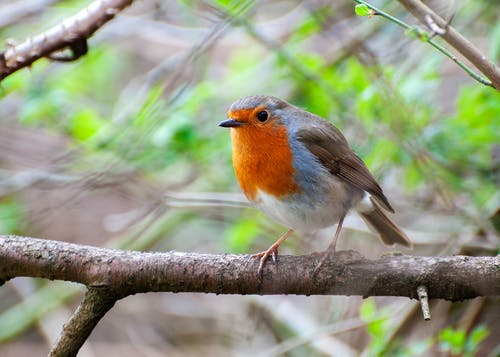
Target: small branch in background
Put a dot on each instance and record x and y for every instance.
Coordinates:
(440, 27)
(424, 302)
(96, 303)
(72, 33)
(434, 27)
(456, 40)
(11, 181)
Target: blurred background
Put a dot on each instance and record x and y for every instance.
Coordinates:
(122, 149)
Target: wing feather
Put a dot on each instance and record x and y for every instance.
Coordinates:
(328, 144)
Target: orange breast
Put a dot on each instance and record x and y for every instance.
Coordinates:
(262, 160)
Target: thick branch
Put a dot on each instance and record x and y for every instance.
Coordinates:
(96, 303)
(455, 39)
(125, 272)
(71, 33)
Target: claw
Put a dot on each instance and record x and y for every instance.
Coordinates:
(271, 251)
(326, 255)
(261, 266)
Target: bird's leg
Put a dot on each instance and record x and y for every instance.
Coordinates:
(330, 251)
(271, 251)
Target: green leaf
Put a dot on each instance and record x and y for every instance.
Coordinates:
(362, 10)
(452, 340)
(85, 124)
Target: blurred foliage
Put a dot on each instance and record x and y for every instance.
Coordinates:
(11, 216)
(377, 329)
(455, 342)
(459, 343)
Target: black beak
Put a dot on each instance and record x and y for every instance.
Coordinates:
(230, 123)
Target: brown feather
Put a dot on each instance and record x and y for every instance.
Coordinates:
(389, 232)
(328, 144)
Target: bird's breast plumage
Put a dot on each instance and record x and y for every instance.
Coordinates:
(263, 162)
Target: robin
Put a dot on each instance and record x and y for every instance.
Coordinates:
(299, 169)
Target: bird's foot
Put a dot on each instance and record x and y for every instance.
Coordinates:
(272, 251)
(263, 256)
(328, 254)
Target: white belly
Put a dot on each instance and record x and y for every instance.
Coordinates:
(306, 214)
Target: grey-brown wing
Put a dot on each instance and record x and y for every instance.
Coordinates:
(328, 144)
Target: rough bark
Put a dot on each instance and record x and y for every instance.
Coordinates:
(96, 303)
(125, 272)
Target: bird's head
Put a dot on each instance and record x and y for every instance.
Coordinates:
(255, 113)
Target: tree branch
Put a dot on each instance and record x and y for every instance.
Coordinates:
(72, 33)
(114, 274)
(423, 13)
(96, 303)
(125, 272)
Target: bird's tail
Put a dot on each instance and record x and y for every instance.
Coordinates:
(388, 231)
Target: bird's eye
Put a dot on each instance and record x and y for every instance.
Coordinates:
(262, 116)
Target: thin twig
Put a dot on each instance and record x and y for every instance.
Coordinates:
(487, 67)
(459, 42)
(424, 302)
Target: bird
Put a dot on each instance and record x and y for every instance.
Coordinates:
(299, 169)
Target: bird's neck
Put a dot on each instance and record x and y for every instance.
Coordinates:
(263, 161)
